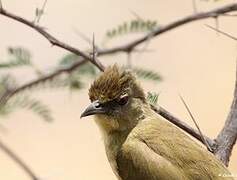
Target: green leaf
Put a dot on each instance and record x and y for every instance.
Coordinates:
(133, 26)
(85, 69)
(7, 82)
(147, 74)
(25, 102)
(69, 59)
(152, 98)
(18, 56)
(75, 82)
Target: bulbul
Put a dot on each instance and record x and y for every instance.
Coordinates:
(139, 144)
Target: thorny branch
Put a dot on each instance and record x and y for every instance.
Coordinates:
(160, 30)
(128, 47)
(123, 48)
(51, 38)
(226, 139)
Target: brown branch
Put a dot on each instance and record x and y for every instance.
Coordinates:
(51, 76)
(51, 38)
(124, 48)
(160, 30)
(18, 161)
(226, 139)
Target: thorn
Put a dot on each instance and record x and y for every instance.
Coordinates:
(136, 15)
(221, 32)
(195, 122)
(84, 37)
(93, 47)
(194, 3)
(217, 25)
(129, 60)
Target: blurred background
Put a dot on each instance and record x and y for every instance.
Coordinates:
(192, 60)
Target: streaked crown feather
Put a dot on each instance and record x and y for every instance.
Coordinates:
(112, 83)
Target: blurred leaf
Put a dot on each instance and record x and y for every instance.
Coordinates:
(69, 59)
(7, 82)
(75, 82)
(85, 69)
(152, 98)
(133, 26)
(25, 102)
(147, 74)
(18, 56)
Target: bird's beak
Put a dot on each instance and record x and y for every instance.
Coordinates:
(94, 108)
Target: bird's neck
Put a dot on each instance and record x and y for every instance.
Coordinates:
(115, 131)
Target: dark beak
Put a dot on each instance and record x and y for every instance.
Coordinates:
(94, 108)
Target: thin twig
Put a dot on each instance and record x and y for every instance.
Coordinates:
(160, 30)
(18, 161)
(217, 25)
(136, 15)
(222, 32)
(129, 60)
(93, 47)
(85, 38)
(196, 124)
(52, 39)
(9, 94)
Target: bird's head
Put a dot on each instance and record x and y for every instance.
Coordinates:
(116, 97)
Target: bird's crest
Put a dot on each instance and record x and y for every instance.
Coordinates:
(111, 84)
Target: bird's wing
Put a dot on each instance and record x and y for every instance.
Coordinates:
(136, 161)
(164, 150)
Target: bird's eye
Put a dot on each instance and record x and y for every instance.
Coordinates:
(123, 100)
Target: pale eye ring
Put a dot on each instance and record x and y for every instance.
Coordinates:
(122, 100)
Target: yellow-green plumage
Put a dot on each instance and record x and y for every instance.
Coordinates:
(139, 144)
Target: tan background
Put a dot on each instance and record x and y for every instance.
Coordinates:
(193, 60)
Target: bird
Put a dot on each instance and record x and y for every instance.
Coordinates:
(139, 144)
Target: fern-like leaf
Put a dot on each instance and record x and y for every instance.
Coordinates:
(147, 74)
(85, 69)
(25, 102)
(18, 56)
(133, 26)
